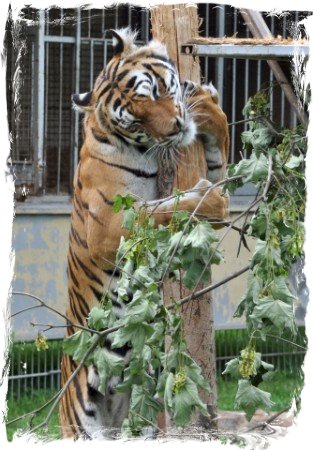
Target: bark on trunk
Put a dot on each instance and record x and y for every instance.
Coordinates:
(174, 22)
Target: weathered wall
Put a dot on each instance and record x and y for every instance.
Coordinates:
(40, 242)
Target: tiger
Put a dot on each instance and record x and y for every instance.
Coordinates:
(136, 109)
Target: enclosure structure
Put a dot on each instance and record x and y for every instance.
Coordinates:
(54, 53)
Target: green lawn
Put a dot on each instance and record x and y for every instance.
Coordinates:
(282, 387)
(27, 404)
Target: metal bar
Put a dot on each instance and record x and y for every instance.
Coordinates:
(220, 62)
(58, 187)
(246, 51)
(77, 84)
(40, 101)
(145, 24)
(59, 39)
(91, 66)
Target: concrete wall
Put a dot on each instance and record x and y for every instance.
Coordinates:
(40, 242)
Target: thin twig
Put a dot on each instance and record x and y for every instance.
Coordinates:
(44, 304)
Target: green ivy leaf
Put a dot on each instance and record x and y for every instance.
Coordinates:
(185, 401)
(261, 138)
(193, 273)
(141, 311)
(254, 169)
(144, 404)
(201, 236)
(129, 217)
(100, 319)
(277, 311)
(122, 202)
(294, 161)
(136, 334)
(108, 364)
(281, 291)
(77, 344)
(232, 368)
(250, 398)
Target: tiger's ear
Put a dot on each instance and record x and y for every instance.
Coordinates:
(123, 41)
(83, 102)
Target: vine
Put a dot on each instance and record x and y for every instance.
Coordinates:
(276, 167)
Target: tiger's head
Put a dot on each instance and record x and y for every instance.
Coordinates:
(137, 97)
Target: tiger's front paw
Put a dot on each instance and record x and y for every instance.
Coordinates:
(211, 202)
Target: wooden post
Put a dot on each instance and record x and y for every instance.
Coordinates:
(175, 25)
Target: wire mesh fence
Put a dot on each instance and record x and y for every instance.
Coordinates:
(32, 371)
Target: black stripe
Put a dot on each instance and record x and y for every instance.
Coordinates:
(78, 240)
(155, 73)
(162, 58)
(104, 198)
(110, 272)
(71, 274)
(117, 103)
(137, 172)
(102, 138)
(104, 90)
(122, 75)
(89, 273)
(77, 211)
(109, 97)
(84, 307)
(97, 294)
(87, 412)
(73, 258)
(131, 82)
(79, 183)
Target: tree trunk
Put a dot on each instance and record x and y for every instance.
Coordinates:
(175, 25)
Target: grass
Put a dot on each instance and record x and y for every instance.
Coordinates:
(282, 387)
(27, 404)
(285, 383)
